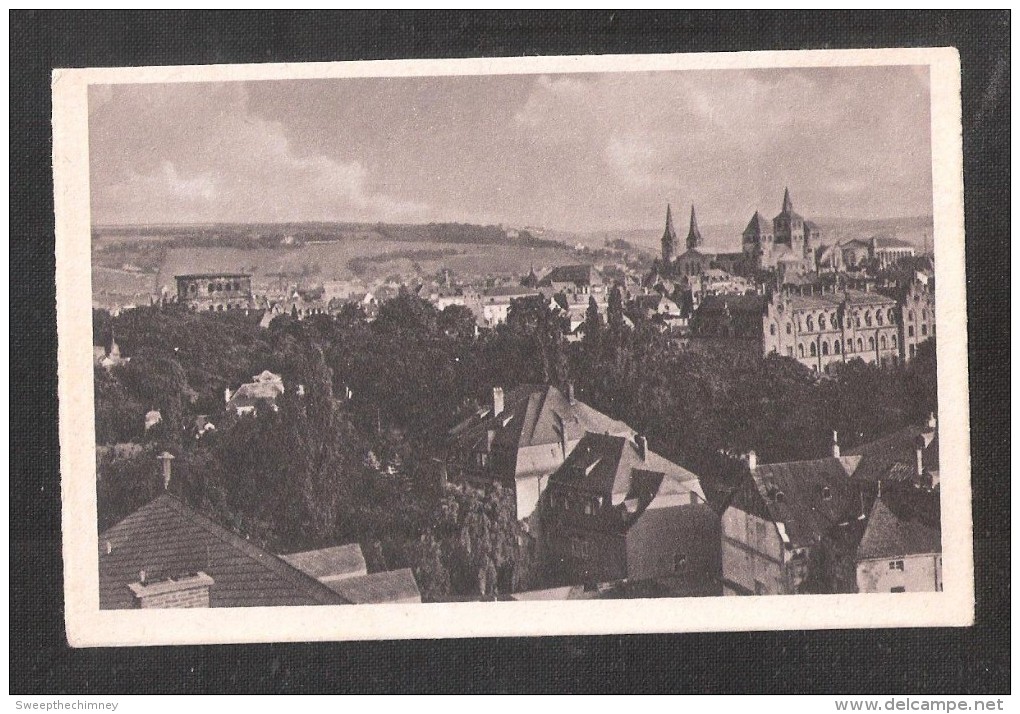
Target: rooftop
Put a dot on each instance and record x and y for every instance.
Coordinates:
(896, 531)
(167, 538)
(392, 586)
(338, 561)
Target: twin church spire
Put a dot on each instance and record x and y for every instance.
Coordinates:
(669, 236)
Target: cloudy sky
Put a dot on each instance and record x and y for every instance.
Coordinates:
(571, 151)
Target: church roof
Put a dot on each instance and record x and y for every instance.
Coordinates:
(758, 225)
(788, 211)
(694, 238)
(669, 235)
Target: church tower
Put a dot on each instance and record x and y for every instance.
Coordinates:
(669, 239)
(694, 239)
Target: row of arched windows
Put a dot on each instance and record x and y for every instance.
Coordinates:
(221, 286)
(823, 345)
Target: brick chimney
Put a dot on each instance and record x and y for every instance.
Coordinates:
(642, 444)
(752, 460)
(835, 444)
(165, 458)
(188, 590)
(570, 394)
(227, 394)
(497, 401)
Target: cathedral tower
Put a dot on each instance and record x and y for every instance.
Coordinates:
(669, 239)
(694, 239)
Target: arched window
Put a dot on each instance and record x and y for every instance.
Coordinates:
(924, 329)
(825, 348)
(910, 330)
(883, 342)
(879, 317)
(871, 343)
(810, 323)
(892, 316)
(867, 318)
(860, 345)
(212, 288)
(857, 319)
(835, 347)
(924, 314)
(814, 351)
(789, 328)
(821, 322)
(894, 340)
(772, 329)
(910, 315)
(849, 345)
(800, 350)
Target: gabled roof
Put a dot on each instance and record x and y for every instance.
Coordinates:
(534, 415)
(896, 531)
(392, 586)
(809, 498)
(585, 274)
(893, 457)
(168, 537)
(613, 467)
(338, 561)
(758, 225)
(748, 304)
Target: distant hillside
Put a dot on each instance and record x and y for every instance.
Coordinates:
(726, 237)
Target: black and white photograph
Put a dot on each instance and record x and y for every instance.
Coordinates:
(528, 340)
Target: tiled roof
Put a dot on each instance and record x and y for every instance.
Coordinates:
(535, 415)
(734, 303)
(894, 457)
(612, 466)
(808, 497)
(824, 301)
(572, 274)
(392, 586)
(166, 537)
(341, 560)
(897, 532)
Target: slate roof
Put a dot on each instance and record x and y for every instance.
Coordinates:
(890, 242)
(826, 301)
(584, 274)
(534, 415)
(758, 225)
(734, 303)
(338, 561)
(391, 586)
(896, 532)
(167, 537)
(809, 498)
(893, 458)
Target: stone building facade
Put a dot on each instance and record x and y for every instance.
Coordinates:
(834, 326)
(215, 292)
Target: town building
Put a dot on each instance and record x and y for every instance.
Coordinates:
(521, 437)
(830, 326)
(264, 388)
(342, 568)
(491, 306)
(901, 550)
(573, 279)
(916, 318)
(615, 510)
(215, 291)
(792, 527)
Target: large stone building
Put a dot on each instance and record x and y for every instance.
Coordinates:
(787, 245)
(819, 329)
(215, 291)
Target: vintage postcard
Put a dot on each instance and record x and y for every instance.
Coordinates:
(536, 346)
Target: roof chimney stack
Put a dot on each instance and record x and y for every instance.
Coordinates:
(642, 443)
(752, 460)
(570, 394)
(932, 421)
(166, 457)
(835, 444)
(497, 401)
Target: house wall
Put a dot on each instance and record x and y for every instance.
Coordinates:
(921, 573)
(752, 555)
(575, 555)
(660, 535)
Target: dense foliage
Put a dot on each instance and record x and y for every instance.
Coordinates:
(349, 452)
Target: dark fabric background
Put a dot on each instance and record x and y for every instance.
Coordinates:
(909, 661)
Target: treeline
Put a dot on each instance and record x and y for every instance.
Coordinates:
(351, 451)
(359, 265)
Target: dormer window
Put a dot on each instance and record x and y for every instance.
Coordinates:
(826, 493)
